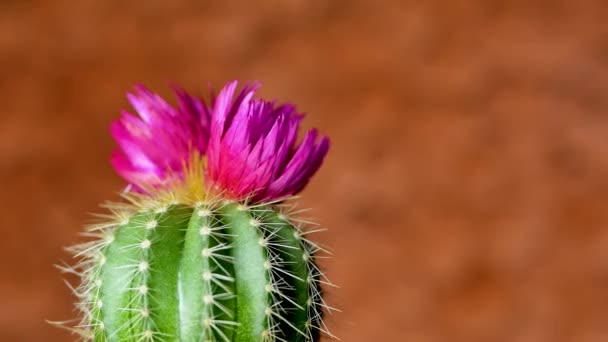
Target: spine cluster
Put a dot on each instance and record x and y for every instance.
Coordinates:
(200, 272)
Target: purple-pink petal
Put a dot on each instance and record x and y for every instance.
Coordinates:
(154, 145)
(252, 152)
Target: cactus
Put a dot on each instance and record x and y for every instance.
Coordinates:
(207, 271)
(193, 253)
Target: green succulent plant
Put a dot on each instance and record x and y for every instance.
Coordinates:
(204, 245)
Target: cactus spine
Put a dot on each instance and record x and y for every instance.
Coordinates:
(199, 272)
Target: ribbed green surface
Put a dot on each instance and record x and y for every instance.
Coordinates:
(119, 274)
(251, 270)
(294, 257)
(205, 273)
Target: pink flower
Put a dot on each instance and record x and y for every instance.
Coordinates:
(252, 150)
(155, 146)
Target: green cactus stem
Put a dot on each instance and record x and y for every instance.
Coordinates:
(200, 272)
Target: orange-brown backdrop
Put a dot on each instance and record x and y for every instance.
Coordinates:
(466, 191)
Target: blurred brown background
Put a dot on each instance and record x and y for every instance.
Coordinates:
(466, 191)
